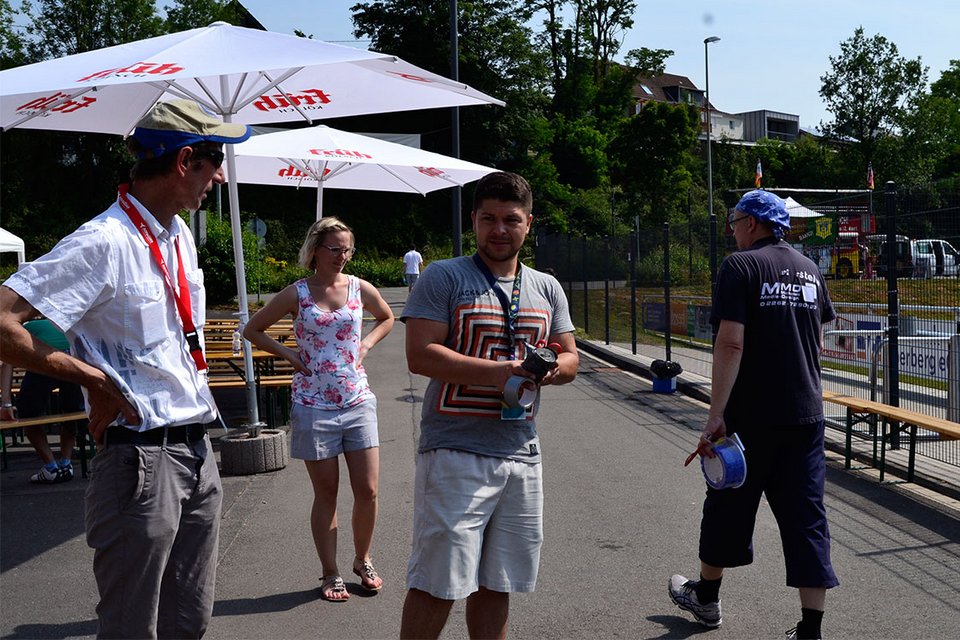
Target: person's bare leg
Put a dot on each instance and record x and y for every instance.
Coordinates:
(38, 439)
(325, 478)
(68, 440)
(813, 598)
(423, 615)
(487, 613)
(709, 572)
(364, 467)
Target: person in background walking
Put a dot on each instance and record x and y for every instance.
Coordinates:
(334, 411)
(412, 261)
(770, 303)
(478, 494)
(35, 399)
(127, 290)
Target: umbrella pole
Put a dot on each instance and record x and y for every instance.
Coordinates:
(253, 414)
(319, 198)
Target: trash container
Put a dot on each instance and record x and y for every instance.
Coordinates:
(665, 374)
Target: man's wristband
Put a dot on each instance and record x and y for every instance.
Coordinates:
(6, 405)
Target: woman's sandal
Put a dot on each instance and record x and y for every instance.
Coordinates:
(332, 589)
(369, 578)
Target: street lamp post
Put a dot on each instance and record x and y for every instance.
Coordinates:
(455, 127)
(713, 217)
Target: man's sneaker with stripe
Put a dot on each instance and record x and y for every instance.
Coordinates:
(57, 474)
(683, 592)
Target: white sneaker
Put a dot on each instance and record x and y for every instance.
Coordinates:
(684, 595)
(45, 476)
(792, 634)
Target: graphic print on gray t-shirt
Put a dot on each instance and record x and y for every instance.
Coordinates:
(467, 417)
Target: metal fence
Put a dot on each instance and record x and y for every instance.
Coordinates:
(891, 264)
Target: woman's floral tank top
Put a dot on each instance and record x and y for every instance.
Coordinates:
(329, 343)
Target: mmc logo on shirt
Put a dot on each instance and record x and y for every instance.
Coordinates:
(785, 294)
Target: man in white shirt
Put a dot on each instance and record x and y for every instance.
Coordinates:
(127, 290)
(412, 261)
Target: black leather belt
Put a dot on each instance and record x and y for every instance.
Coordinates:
(175, 435)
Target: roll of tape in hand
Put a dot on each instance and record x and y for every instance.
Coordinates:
(519, 392)
(728, 468)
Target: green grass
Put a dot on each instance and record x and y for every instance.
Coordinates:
(938, 292)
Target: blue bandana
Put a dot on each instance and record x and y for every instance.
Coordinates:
(765, 206)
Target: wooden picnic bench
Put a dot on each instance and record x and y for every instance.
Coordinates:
(897, 419)
(77, 417)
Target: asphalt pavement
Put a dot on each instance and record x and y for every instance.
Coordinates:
(621, 515)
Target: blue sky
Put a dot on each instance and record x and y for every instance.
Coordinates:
(771, 54)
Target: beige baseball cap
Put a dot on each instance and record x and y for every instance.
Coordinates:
(168, 126)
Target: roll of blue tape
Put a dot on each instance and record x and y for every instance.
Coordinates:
(728, 468)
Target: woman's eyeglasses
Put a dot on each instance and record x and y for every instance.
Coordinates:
(340, 251)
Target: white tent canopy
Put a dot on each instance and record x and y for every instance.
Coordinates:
(797, 210)
(12, 244)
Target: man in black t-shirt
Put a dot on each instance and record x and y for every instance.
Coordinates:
(769, 305)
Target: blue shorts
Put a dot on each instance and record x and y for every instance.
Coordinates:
(318, 434)
(36, 394)
(787, 465)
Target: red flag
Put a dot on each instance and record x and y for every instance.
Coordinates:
(756, 178)
(870, 176)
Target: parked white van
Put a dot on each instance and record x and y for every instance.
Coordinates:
(933, 257)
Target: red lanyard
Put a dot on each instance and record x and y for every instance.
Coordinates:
(181, 294)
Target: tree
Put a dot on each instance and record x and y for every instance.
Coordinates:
(945, 99)
(63, 27)
(12, 46)
(652, 156)
(648, 63)
(551, 37)
(866, 90)
(87, 167)
(606, 22)
(192, 14)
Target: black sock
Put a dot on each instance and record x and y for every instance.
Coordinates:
(809, 626)
(708, 590)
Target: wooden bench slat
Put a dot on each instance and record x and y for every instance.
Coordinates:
(909, 421)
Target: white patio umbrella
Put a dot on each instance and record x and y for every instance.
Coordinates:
(329, 158)
(244, 75)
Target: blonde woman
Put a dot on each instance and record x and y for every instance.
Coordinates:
(334, 411)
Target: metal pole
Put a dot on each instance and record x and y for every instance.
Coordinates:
(893, 309)
(634, 256)
(455, 196)
(953, 379)
(689, 238)
(253, 411)
(666, 289)
(606, 293)
(713, 217)
(586, 296)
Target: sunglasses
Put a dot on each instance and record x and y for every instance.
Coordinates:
(215, 156)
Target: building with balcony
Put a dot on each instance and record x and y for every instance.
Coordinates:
(746, 127)
(770, 124)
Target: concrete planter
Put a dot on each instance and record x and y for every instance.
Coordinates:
(246, 453)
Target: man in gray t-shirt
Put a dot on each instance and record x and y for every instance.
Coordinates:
(478, 503)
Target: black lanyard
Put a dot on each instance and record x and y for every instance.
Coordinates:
(511, 306)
